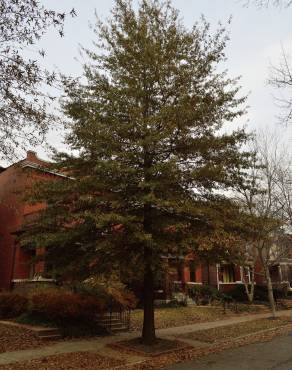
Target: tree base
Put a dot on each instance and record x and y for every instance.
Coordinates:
(159, 347)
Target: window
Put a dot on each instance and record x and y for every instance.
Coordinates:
(227, 274)
(192, 267)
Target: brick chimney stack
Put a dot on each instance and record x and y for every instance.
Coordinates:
(31, 156)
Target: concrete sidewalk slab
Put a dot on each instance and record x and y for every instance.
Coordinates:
(175, 331)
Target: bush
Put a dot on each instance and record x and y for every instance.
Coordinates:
(12, 305)
(260, 293)
(62, 306)
(238, 293)
(203, 294)
(28, 318)
(111, 289)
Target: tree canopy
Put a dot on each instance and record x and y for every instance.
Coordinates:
(153, 159)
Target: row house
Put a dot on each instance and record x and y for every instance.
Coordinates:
(15, 263)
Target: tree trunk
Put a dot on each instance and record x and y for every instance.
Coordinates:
(249, 286)
(252, 284)
(148, 333)
(269, 284)
(270, 292)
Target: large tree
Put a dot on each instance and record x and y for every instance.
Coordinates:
(23, 114)
(151, 159)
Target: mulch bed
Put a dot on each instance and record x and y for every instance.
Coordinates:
(14, 339)
(77, 360)
(161, 346)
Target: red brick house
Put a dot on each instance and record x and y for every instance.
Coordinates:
(16, 266)
(15, 263)
(182, 274)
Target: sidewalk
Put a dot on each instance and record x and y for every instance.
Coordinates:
(98, 345)
(216, 324)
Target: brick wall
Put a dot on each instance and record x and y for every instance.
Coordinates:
(14, 182)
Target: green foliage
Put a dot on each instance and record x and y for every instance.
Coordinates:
(173, 303)
(28, 318)
(203, 294)
(12, 305)
(260, 293)
(147, 124)
(153, 159)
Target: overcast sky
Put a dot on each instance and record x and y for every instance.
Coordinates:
(256, 39)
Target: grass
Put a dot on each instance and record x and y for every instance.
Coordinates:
(237, 330)
(179, 316)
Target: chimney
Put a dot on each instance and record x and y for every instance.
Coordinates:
(31, 156)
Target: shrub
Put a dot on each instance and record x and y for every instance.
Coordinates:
(28, 318)
(238, 293)
(173, 303)
(112, 289)
(260, 293)
(63, 306)
(203, 294)
(12, 305)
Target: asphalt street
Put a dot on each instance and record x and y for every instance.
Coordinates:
(274, 355)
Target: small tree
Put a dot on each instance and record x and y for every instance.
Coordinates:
(152, 157)
(265, 200)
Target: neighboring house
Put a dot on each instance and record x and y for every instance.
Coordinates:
(16, 264)
(281, 262)
(181, 274)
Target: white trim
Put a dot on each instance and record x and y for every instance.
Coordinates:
(193, 283)
(36, 166)
(34, 280)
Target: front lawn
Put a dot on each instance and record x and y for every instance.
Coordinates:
(77, 360)
(13, 338)
(179, 316)
(237, 330)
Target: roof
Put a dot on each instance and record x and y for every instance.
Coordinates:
(32, 161)
(35, 166)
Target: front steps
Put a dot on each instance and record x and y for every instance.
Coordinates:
(49, 334)
(41, 332)
(112, 324)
